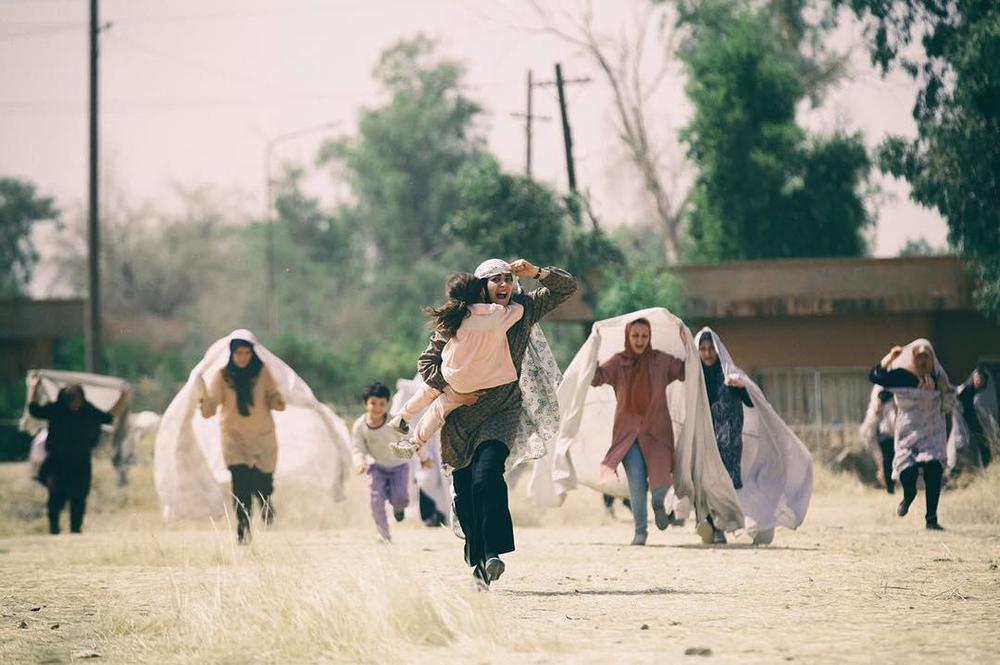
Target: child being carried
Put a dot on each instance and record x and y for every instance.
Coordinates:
(475, 357)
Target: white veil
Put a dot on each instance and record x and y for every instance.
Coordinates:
(776, 467)
(189, 471)
(588, 416)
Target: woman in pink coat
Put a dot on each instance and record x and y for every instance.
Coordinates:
(643, 434)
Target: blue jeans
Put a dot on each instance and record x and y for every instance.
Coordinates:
(638, 487)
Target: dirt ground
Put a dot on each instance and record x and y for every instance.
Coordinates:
(855, 584)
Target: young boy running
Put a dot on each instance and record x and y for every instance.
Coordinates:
(388, 476)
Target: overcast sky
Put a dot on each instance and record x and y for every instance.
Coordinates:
(192, 91)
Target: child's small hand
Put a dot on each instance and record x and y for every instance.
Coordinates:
(362, 469)
(465, 399)
(426, 463)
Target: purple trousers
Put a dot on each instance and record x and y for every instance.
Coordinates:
(390, 484)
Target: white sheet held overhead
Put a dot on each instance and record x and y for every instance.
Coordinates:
(431, 481)
(189, 471)
(587, 417)
(776, 467)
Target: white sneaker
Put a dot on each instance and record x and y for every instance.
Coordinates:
(399, 426)
(404, 448)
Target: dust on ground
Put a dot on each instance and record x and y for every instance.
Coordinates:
(855, 584)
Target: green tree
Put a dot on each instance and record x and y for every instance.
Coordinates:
(638, 289)
(402, 166)
(917, 247)
(501, 214)
(507, 215)
(953, 164)
(765, 189)
(326, 236)
(20, 208)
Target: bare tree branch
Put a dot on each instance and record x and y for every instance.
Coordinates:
(621, 63)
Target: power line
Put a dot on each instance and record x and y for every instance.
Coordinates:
(31, 2)
(78, 28)
(253, 13)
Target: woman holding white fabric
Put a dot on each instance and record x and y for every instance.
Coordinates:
(924, 402)
(643, 435)
(245, 395)
(193, 450)
(771, 471)
(978, 397)
(726, 398)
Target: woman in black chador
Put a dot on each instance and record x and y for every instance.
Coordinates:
(74, 429)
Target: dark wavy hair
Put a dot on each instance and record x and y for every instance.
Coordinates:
(377, 389)
(462, 289)
(242, 379)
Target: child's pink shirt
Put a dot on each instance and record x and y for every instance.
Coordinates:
(478, 356)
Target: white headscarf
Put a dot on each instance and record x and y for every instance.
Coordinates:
(776, 466)
(907, 360)
(189, 470)
(491, 267)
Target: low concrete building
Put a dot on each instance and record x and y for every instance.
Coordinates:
(29, 330)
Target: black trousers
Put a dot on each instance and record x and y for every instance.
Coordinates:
(58, 496)
(481, 503)
(933, 473)
(429, 513)
(250, 482)
(888, 451)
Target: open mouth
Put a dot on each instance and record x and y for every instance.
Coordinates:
(502, 295)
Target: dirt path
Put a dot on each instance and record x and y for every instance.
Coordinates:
(854, 585)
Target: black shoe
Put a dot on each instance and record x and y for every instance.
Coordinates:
(494, 568)
(481, 577)
(903, 508)
(399, 515)
(932, 525)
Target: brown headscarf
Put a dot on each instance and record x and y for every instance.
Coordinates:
(636, 368)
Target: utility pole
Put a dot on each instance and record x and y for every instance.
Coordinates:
(92, 316)
(567, 137)
(527, 130)
(529, 120)
(561, 84)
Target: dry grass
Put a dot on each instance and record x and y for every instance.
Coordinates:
(978, 500)
(854, 581)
